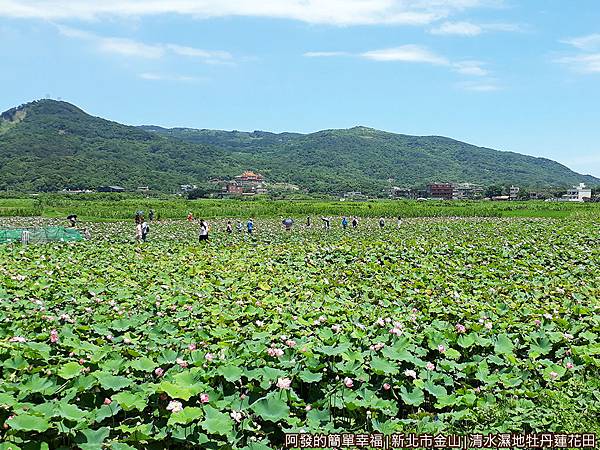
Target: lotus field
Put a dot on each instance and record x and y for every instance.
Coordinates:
(436, 325)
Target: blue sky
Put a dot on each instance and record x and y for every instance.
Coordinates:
(518, 75)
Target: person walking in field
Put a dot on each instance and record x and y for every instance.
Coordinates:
(344, 222)
(190, 217)
(399, 221)
(138, 230)
(250, 226)
(381, 223)
(326, 222)
(151, 215)
(240, 226)
(308, 222)
(229, 228)
(354, 222)
(203, 233)
(287, 223)
(72, 218)
(145, 230)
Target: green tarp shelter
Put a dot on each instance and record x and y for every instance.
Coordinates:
(37, 235)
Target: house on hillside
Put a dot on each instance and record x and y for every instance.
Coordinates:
(513, 193)
(248, 183)
(399, 192)
(187, 187)
(579, 193)
(111, 189)
(440, 191)
(467, 191)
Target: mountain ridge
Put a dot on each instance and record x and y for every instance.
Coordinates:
(49, 145)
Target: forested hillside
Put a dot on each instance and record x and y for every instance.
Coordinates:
(49, 145)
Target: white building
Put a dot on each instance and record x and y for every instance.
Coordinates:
(578, 193)
(514, 192)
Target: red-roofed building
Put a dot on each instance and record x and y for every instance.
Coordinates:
(248, 183)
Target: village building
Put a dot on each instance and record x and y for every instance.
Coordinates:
(399, 192)
(111, 189)
(513, 193)
(440, 191)
(248, 183)
(187, 187)
(579, 193)
(467, 191)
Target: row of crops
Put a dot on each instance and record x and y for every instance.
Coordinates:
(436, 326)
(122, 207)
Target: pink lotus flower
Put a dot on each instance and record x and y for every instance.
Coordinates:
(54, 336)
(109, 337)
(378, 346)
(430, 366)
(386, 386)
(203, 398)
(127, 341)
(284, 383)
(6, 426)
(336, 328)
(396, 331)
(348, 382)
(259, 323)
(274, 352)
(17, 339)
(307, 408)
(290, 343)
(569, 365)
(174, 406)
(460, 328)
(380, 322)
(182, 363)
(82, 361)
(553, 375)
(568, 336)
(107, 401)
(209, 357)
(410, 373)
(537, 322)
(236, 415)
(159, 372)
(441, 348)
(488, 325)
(192, 347)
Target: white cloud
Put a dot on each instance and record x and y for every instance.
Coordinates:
(406, 53)
(585, 63)
(590, 42)
(470, 68)
(130, 47)
(471, 29)
(167, 77)
(588, 60)
(411, 54)
(458, 28)
(333, 12)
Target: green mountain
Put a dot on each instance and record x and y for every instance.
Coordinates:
(49, 145)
